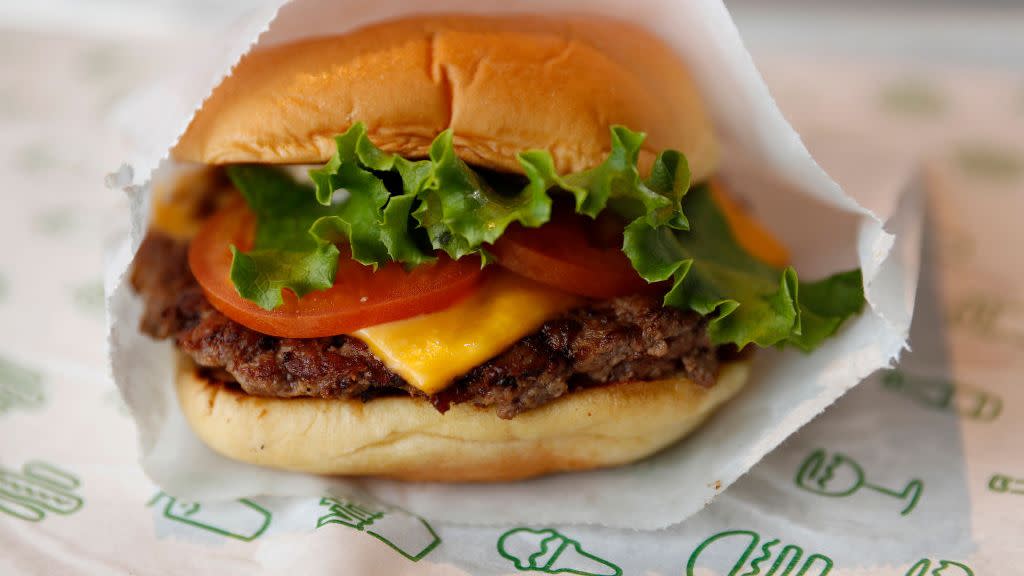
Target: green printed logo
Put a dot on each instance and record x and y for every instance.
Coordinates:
(409, 535)
(841, 476)
(913, 97)
(549, 552)
(39, 488)
(989, 161)
(35, 158)
(239, 519)
(944, 395)
(990, 316)
(54, 221)
(939, 568)
(20, 387)
(733, 549)
(89, 298)
(1006, 485)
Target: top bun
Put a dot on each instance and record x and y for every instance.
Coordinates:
(502, 84)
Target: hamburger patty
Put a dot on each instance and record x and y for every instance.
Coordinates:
(628, 338)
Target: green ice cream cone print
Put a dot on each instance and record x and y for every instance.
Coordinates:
(839, 476)
(550, 552)
(743, 552)
(19, 387)
(926, 567)
(944, 395)
(239, 519)
(409, 535)
(39, 489)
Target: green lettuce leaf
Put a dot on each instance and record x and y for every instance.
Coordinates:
(749, 301)
(369, 218)
(284, 253)
(390, 209)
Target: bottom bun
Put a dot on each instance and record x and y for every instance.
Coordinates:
(408, 439)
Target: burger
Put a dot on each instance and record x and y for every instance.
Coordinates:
(463, 248)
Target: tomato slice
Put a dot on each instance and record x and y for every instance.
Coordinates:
(360, 296)
(573, 253)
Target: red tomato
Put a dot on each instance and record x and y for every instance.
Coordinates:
(359, 298)
(572, 253)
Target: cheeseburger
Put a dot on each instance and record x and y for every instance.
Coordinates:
(463, 248)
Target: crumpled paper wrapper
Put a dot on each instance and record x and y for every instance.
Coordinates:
(765, 162)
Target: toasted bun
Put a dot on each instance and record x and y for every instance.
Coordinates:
(406, 438)
(503, 84)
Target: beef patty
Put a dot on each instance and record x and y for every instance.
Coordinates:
(621, 339)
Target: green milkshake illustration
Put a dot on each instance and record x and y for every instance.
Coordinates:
(742, 552)
(926, 567)
(239, 519)
(840, 476)
(40, 488)
(1006, 485)
(409, 535)
(944, 395)
(549, 552)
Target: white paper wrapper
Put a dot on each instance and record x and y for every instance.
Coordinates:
(765, 161)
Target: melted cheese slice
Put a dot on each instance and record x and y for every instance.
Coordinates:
(431, 350)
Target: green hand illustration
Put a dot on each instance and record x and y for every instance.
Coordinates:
(38, 489)
(938, 394)
(841, 476)
(409, 535)
(19, 387)
(239, 519)
(742, 545)
(941, 568)
(550, 552)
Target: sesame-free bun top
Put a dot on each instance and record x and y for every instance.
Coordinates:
(502, 84)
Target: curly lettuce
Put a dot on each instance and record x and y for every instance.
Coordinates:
(391, 209)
